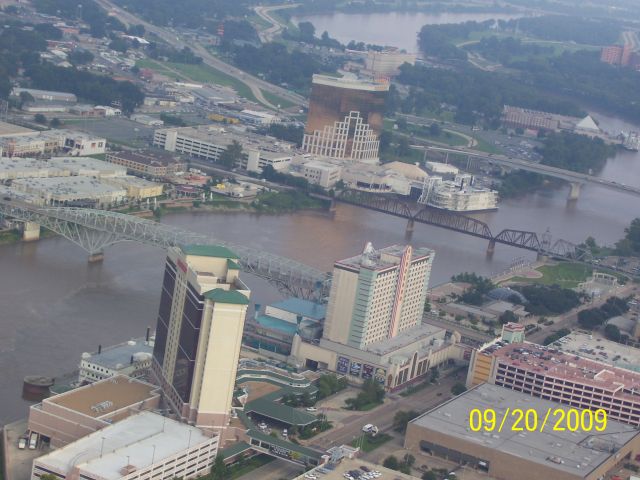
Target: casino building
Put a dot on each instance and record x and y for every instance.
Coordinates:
(345, 118)
(199, 331)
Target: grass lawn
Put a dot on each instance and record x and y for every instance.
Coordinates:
(367, 443)
(567, 275)
(237, 471)
(447, 137)
(484, 146)
(199, 73)
(276, 100)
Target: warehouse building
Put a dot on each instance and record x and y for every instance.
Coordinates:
(88, 167)
(13, 168)
(65, 190)
(558, 455)
(141, 447)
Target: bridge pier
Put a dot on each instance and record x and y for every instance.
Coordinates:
(574, 191)
(542, 257)
(491, 248)
(410, 226)
(96, 257)
(30, 232)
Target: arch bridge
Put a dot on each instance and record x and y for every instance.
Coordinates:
(95, 230)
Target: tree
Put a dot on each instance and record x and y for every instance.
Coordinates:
(219, 469)
(612, 333)
(48, 476)
(55, 122)
(391, 462)
(402, 418)
(231, 155)
(434, 375)
(435, 130)
(25, 97)
(508, 317)
(409, 459)
(458, 388)
(40, 118)
(403, 149)
(430, 475)
(307, 31)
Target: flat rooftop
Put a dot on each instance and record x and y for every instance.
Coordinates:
(381, 259)
(77, 187)
(407, 337)
(147, 157)
(226, 135)
(299, 306)
(116, 356)
(601, 350)
(577, 453)
(350, 83)
(551, 362)
(86, 165)
(15, 167)
(140, 441)
(105, 397)
(9, 129)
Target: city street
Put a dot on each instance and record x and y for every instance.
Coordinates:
(382, 417)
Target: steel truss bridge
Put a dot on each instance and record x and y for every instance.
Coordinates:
(95, 230)
(413, 212)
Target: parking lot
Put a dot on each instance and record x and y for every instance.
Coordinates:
(18, 462)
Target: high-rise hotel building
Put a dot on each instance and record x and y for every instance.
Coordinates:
(377, 295)
(345, 118)
(373, 326)
(199, 331)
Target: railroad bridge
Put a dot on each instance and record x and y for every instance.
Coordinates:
(404, 208)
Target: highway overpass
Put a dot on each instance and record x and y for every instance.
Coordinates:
(576, 179)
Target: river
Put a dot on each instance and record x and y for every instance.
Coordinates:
(54, 305)
(394, 29)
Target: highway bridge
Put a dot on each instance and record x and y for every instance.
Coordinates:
(95, 230)
(576, 179)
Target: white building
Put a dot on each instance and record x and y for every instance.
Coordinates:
(80, 144)
(62, 190)
(14, 168)
(145, 446)
(458, 195)
(49, 142)
(321, 173)
(48, 95)
(132, 358)
(208, 143)
(254, 117)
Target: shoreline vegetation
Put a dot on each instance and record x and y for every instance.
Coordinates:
(271, 203)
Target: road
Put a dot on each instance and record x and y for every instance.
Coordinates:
(276, 27)
(516, 163)
(254, 83)
(382, 416)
